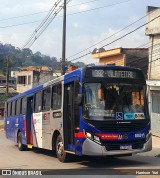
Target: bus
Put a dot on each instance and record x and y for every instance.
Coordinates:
(95, 111)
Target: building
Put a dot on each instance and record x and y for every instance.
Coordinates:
(11, 92)
(134, 57)
(11, 82)
(153, 31)
(31, 76)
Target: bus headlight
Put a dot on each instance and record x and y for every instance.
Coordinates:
(93, 137)
(89, 135)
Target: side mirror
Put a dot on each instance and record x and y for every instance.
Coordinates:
(79, 99)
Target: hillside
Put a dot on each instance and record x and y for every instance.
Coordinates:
(25, 57)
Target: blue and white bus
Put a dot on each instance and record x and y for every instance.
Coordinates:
(96, 111)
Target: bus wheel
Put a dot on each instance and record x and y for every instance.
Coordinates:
(61, 154)
(21, 147)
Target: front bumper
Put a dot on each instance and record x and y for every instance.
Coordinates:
(93, 149)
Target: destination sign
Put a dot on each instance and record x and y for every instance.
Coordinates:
(113, 74)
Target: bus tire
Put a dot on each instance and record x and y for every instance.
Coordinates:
(21, 147)
(61, 154)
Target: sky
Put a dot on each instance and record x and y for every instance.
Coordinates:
(88, 23)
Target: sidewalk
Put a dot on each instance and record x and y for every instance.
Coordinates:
(155, 146)
(1, 122)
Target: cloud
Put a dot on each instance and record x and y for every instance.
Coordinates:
(83, 30)
(83, 7)
(81, 42)
(75, 24)
(11, 8)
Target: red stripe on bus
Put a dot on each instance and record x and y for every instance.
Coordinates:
(79, 135)
(31, 138)
(24, 122)
(108, 136)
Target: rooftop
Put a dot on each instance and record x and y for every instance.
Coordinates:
(36, 68)
(100, 53)
(10, 90)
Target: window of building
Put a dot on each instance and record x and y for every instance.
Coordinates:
(156, 102)
(38, 102)
(18, 107)
(9, 109)
(22, 80)
(46, 98)
(29, 79)
(23, 105)
(56, 96)
(13, 108)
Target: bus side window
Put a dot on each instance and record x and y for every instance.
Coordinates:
(46, 96)
(56, 96)
(23, 105)
(59, 96)
(38, 102)
(9, 108)
(13, 108)
(18, 107)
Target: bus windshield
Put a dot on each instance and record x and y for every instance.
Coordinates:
(113, 101)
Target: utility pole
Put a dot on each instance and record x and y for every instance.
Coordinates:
(64, 40)
(7, 77)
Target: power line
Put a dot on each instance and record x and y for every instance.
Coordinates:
(31, 14)
(83, 3)
(130, 57)
(75, 13)
(41, 12)
(43, 22)
(108, 37)
(120, 37)
(97, 8)
(20, 24)
(33, 38)
(21, 16)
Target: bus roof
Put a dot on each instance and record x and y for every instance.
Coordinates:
(28, 92)
(113, 67)
(66, 76)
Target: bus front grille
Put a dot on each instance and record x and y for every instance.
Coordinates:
(119, 126)
(116, 145)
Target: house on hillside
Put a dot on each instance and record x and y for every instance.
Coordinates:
(153, 31)
(11, 92)
(11, 82)
(134, 57)
(31, 76)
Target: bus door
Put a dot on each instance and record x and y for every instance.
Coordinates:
(29, 112)
(71, 115)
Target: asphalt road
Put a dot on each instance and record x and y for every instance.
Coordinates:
(11, 158)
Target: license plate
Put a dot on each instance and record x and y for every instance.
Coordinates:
(125, 147)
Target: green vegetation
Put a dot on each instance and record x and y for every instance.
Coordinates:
(25, 57)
